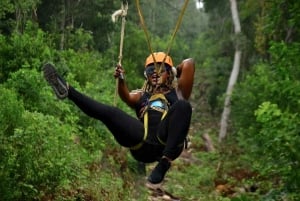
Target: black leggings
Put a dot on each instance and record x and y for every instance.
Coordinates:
(129, 131)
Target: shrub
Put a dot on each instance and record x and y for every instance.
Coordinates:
(40, 158)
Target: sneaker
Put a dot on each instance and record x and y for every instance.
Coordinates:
(56, 81)
(158, 173)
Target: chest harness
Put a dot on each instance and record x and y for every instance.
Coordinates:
(157, 102)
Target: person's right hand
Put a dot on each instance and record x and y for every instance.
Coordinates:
(119, 72)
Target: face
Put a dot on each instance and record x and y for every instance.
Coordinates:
(157, 76)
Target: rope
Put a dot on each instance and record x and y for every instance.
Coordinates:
(179, 20)
(122, 12)
(178, 23)
(144, 28)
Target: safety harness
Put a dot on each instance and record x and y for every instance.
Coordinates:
(157, 102)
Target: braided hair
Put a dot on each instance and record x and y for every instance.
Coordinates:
(171, 82)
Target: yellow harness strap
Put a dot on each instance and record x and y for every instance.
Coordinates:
(153, 97)
(139, 145)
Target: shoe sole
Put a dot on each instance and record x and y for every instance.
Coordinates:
(153, 186)
(53, 79)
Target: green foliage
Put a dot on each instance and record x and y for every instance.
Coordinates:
(278, 22)
(213, 65)
(192, 180)
(62, 19)
(80, 40)
(35, 95)
(6, 6)
(15, 14)
(108, 191)
(27, 50)
(11, 110)
(27, 83)
(249, 94)
(39, 155)
(50, 150)
(265, 114)
(279, 153)
(277, 83)
(91, 17)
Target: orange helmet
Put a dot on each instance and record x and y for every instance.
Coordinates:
(159, 57)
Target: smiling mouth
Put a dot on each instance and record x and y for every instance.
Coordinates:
(154, 77)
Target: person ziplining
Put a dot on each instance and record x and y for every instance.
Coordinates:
(163, 112)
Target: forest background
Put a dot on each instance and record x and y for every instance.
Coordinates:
(49, 150)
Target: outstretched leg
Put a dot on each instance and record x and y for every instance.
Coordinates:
(127, 130)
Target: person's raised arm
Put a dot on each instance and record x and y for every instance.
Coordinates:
(128, 97)
(185, 78)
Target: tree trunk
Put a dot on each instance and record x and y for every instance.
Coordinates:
(62, 25)
(234, 73)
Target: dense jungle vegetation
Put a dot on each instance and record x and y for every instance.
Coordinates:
(50, 150)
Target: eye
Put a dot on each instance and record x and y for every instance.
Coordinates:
(150, 70)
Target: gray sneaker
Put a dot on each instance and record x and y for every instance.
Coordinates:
(58, 84)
